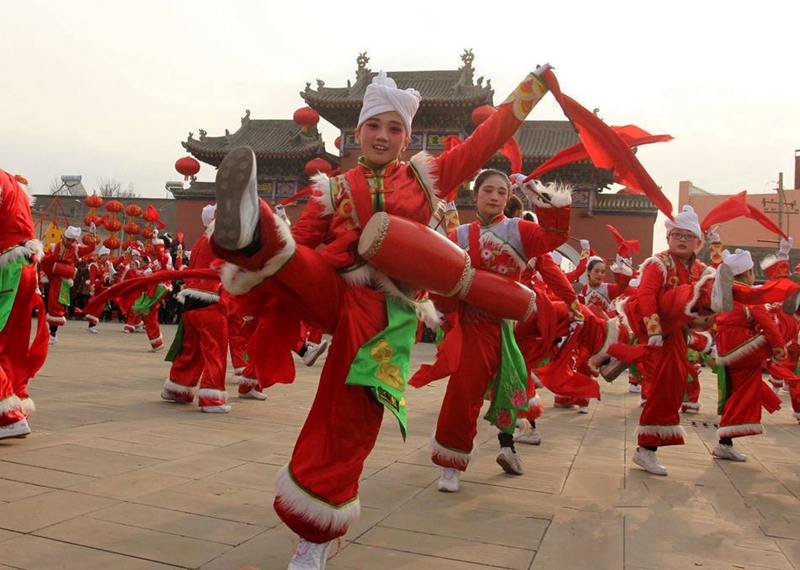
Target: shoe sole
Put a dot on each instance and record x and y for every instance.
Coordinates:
(507, 466)
(527, 442)
(231, 184)
(641, 464)
(320, 353)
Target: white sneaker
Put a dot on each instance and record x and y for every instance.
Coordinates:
(314, 351)
(532, 437)
(583, 409)
(310, 555)
(221, 409)
(448, 482)
(53, 339)
(722, 451)
(18, 429)
(171, 397)
(646, 459)
(509, 460)
(237, 199)
(156, 348)
(139, 329)
(253, 394)
(635, 388)
(722, 290)
(92, 330)
(689, 409)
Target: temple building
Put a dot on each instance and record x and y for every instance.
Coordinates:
(284, 150)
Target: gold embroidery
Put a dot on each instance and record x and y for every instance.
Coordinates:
(388, 373)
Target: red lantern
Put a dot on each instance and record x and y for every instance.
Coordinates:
(148, 233)
(93, 201)
(114, 206)
(112, 225)
(131, 228)
(89, 239)
(90, 219)
(133, 210)
(187, 166)
(318, 165)
(111, 243)
(306, 117)
(480, 114)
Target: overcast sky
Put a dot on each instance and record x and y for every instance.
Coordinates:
(108, 90)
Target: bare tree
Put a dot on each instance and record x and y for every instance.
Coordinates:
(110, 188)
(55, 185)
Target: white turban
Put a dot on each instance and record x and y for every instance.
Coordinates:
(739, 262)
(208, 213)
(686, 220)
(102, 250)
(382, 95)
(72, 232)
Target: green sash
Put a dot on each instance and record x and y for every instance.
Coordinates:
(723, 383)
(508, 389)
(10, 275)
(63, 293)
(145, 302)
(177, 344)
(382, 363)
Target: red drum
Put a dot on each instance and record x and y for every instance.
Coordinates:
(64, 270)
(500, 296)
(414, 254)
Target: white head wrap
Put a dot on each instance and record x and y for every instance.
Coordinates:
(686, 220)
(72, 232)
(102, 250)
(739, 262)
(382, 95)
(208, 213)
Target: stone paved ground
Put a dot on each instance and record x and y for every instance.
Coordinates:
(113, 477)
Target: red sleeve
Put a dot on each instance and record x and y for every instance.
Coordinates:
(555, 279)
(312, 227)
(767, 325)
(538, 240)
(575, 274)
(650, 287)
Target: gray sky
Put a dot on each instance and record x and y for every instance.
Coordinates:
(108, 90)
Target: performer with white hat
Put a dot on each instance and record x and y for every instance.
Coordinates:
(337, 289)
(19, 358)
(101, 276)
(59, 264)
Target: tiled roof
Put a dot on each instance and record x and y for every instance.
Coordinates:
(543, 139)
(633, 203)
(267, 137)
(436, 88)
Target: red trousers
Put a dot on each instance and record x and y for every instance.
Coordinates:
(204, 357)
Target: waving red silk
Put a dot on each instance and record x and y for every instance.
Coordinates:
(625, 247)
(737, 206)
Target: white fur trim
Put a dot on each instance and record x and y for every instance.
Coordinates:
(59, 321)
(691, 405)
(10, 404)
(321, 192)
(158, 341)
(197, 294)
(92, 319)
(664, 432)
(451, 455)
(238, 281)
(210, 394)
(770, 260)
(32, 249)
(534, 403)
(425, 167)
(742, 351)
(612, 337)
(560, 194)
(312, 509)
(740, 430)
(796, 415)
(248, 382)
(27, 406)
(706, 275)
(176, 388)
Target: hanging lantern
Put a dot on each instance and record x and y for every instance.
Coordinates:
(90, 219)
(131, 228)
(187, 166)
(306, 117)
(89, 239)
(316, 165)
(480, 114)
(93, 202)
(111, 243)
(148, 232)
(133, 210)
(112, 224)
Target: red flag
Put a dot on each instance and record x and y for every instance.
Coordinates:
(737, 206)
(511, 151)
(607, 149)
(624, 246)
(631, 134)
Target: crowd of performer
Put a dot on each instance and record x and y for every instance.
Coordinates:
(367, 262)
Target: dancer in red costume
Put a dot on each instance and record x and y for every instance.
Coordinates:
(19, 358)
(503, 245)
(746, 337)
(200, 353)
(59, 265)
(101, 276)
(338, 291)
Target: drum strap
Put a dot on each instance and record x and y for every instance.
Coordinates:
(474, 244)
(365, 201)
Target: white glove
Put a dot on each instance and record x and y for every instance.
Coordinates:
(712, 236)
(542, 68)
(585, 245)
(623, 265)
(786, 245)
(517, 180)
(655, 340)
